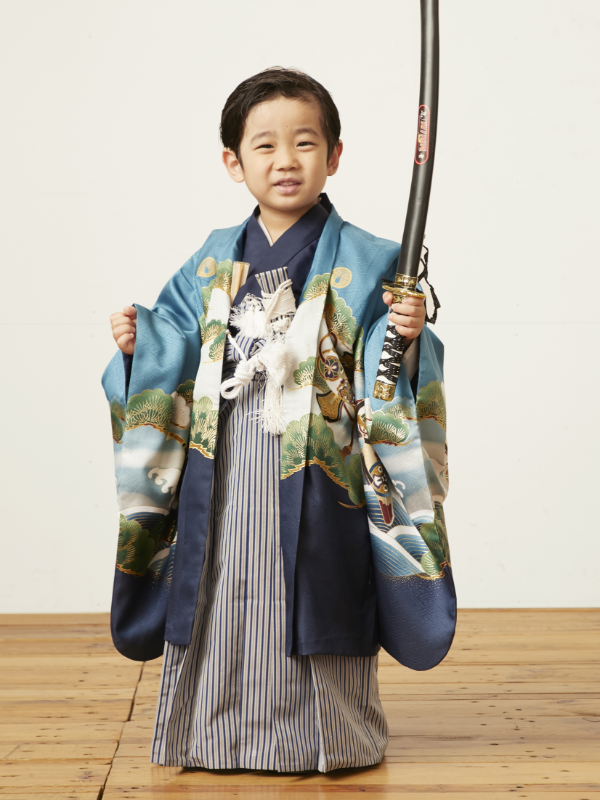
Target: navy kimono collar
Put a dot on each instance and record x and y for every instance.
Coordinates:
(294, 249)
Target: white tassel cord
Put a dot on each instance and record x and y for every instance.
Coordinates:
(250, 318)
(278, 364)
(275, 360)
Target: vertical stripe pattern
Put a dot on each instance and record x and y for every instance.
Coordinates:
(270, 281)
(231, 698)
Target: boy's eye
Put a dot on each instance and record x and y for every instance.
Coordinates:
(264, 145)
(306, 144)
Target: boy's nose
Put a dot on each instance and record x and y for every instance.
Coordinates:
(286, 159)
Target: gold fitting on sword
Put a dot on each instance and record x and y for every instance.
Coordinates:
(384, 391)
(401, 282)
(403, 286)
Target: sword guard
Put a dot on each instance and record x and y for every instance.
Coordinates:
(403, 286)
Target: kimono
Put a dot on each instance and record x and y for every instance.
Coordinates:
(270, 567)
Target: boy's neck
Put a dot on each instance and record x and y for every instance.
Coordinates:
(278, 222)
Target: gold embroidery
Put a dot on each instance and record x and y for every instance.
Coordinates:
(330, 405)
(207, 268)
(341, 277)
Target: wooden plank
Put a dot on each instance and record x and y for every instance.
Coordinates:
(471, 656)
(70, 678)
(45, 664)
(527, 641)
(35, 648)
(480, 756)
(55, 619)
(485, 673)
(127, 772)
(144, 709)
(59, 741)
(53, 632)
(293, 793)
(27, 732)
(71, 751)
(56, 693)
(73, 710)
(504, 707)
(538, 620)
(520, 728)
(542, 611)
(58, 792)
(58, 647)
(490, 691)
(89, 775)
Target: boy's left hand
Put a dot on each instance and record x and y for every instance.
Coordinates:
(408, 316)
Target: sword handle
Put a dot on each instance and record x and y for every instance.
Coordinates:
(394, 344)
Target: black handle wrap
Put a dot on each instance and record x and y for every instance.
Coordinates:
(394, 347)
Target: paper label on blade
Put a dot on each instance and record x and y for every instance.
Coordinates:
(422, 151)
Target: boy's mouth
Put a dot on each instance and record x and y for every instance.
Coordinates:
(287, 185)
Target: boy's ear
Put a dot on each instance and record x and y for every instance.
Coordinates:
(334, 159)
(233, 165)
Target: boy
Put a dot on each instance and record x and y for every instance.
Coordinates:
(299, 546)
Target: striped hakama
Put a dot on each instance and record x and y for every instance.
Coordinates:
(232, 698)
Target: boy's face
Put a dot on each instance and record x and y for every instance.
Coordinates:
(284, 155)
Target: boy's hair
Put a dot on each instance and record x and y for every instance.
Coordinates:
(267, 85)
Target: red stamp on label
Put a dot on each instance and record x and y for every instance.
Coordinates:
(422, 150)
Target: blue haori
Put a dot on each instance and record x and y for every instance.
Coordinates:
(232, 698)
(362, 483)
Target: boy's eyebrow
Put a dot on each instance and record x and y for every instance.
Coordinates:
(261, 134)
(307, 130)
(272, 133)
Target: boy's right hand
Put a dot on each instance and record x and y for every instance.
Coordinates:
(123, 325)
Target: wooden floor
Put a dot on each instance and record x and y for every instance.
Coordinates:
(513, 711)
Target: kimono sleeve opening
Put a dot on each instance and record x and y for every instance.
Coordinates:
(151, 397)
(416, 599)
(167, 350)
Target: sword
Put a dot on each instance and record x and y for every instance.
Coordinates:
(405, 282)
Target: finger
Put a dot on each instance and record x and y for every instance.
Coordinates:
(402, 319)
(125, 339)
(408, 311)
(409, 308)
(388, 298)
(119, 319)
(124, 323)
(413, 301)
(130, 311)
(119, 330)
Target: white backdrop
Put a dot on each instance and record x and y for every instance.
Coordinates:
(111, 178)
